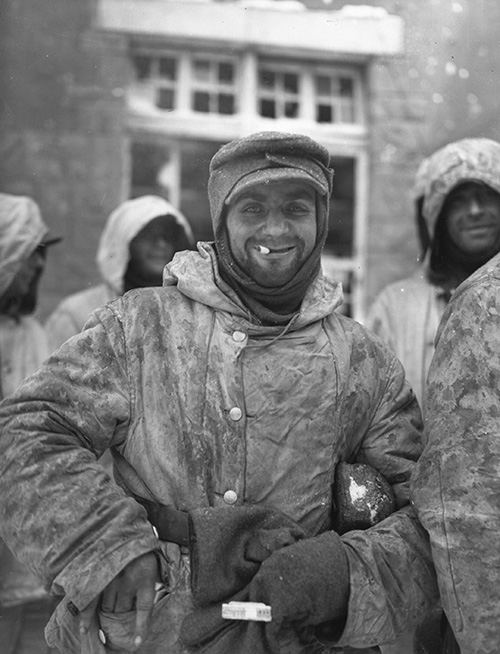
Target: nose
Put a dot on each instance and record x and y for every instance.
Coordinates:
(275, 223)
(475, 207)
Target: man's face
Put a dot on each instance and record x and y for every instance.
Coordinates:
(151, 249)
(272, 230)
(472, 218)
(20, 298)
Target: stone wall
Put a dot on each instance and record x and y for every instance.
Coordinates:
(61, 129)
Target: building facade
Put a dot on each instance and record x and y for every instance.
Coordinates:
(109, 99)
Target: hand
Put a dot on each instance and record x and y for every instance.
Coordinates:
(307, 582)
(131, 591)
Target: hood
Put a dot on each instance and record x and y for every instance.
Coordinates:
(474, 159)
(21, 231)
(196, 276)
(123, 224)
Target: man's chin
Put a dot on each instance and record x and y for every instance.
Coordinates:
(272, 278)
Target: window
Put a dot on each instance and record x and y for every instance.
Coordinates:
(278, 94)
(213, 88)
(211, 81)
(308, 91)
(334, 98)
(176, 169)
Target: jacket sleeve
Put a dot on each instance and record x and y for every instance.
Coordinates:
(457, 483)
(392, 578)
(60, 512)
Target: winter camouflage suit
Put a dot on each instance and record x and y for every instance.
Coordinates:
(406, 313)
(195, 398)
(457, 485)
(123, 224)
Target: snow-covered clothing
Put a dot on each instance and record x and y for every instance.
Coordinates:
(457, 480)
(406, 313)
(198, 400)
(406, 316)
(123, 224)
(23, 348)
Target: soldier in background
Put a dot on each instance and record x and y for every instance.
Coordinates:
(140, 237)
(24, 604)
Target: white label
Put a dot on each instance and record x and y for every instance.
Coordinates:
(256, 611)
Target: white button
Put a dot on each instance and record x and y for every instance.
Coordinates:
(230, 497)
(239, 336)
(235, 413)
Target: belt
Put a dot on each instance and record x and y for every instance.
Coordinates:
(171, 524)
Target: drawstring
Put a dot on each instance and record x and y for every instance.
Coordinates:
(284, 331)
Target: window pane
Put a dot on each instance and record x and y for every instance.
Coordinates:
(347, 112)
(147, 161)
(346, 87)
(165, 98)
(168, 68)
(340, 239)
(195, 159)
(291, 109)
(201, 101)
(324, 113)
(268, 108)
(291, 82)
(267, 79)
(226, 103)
(142, 66)
(201, 70)
(323, 85)
(226, 73)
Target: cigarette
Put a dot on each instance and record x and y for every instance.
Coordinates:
(263, 250)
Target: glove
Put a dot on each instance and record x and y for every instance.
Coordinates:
(228, 545)
(306, 583)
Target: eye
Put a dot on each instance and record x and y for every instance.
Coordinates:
(298, 208)
(251, 208)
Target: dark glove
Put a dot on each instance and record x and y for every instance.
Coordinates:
(306, 583)
(228, 545)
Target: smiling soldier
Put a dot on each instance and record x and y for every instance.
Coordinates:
(228, 398)
(458, 210)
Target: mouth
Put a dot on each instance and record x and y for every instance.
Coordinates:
(279, 251)
(480, 228)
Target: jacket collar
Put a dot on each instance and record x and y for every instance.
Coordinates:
(196, 276)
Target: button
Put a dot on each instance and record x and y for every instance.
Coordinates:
(239, 336)
(230, 497)
(235, 413)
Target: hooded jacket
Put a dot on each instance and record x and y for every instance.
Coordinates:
(23, 347)
(406, 313)
(456, 484)
(197, 400)
(112, 259)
